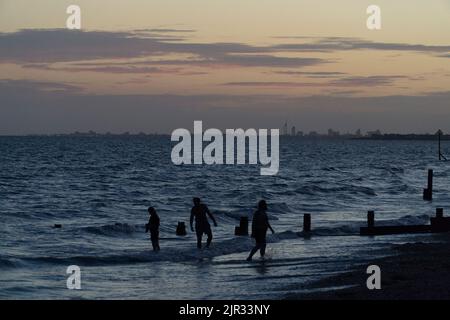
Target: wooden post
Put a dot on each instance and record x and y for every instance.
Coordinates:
(428, 192)
(243, 226)
(242, 229)
(307, 222)
(430, 181)
(439, 142)
(439, 212)
(181, 229)
(371, 219)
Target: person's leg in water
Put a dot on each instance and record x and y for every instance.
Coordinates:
(260, 241)
(253, 251)
(263, 249)
(154, 244)
(199, 238)
(210, 237)
(155, 240)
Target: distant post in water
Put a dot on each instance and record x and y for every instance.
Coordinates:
(428, 192)
(243, 226)
(307, 222)
(370, 219)
(439, 133)
(242, 229)
(440, 223)
(181, 229)
(440, 155)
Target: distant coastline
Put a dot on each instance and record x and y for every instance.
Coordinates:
(392, 136)
(314, 136)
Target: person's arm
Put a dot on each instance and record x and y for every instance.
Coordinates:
(211, 216)
(253, 226)
(192, 219)
(147, 226)
(268, 225)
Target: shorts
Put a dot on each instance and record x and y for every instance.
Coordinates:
(260, 237)
(203, 229)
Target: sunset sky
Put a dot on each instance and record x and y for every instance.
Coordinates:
(156, 65)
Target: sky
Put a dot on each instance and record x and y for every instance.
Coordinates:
(157, 65)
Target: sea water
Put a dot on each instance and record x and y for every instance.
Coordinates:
(99, 188)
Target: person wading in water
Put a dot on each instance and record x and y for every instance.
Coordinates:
(260, 224)
(202, 226)
(153, 227)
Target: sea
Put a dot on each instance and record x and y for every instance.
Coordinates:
(98, 188)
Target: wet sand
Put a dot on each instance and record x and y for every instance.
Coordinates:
(416, 271)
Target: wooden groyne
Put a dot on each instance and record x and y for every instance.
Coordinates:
(439, 223)
(428, 191)
(242, 229)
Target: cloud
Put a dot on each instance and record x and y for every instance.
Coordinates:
(366, 81)
(105, 68)
(271, 84)
(29, 86)
(330, 44)
(370, 81)
(165, 30)
(28, 47)
(314, 74)
(61, 45)
(270, 61)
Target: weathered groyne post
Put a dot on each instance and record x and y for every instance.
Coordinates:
(439, 213)
(181, 229)
(441, 156)
(307, 222)
(371, 230)
(242, 230)
(439, 223)
(428, 192)
(439, 133)
(243, 224)
(370, 219)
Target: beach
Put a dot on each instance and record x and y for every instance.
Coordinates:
(416, 271)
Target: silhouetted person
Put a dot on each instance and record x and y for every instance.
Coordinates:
(260, 224)
(153, 227)
(202, 226)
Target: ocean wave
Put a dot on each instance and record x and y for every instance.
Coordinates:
(342, 230)
(315, 190)
(191, 254)
(115, 229)
(400, 188)
(234, 214)
(395, 170)
(352, 227)
(408, 220)
(171, 254)
(237, 214)
(7, 263)
(279, 207)
(329, 169)
(349, 228)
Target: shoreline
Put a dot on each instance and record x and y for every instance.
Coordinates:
(417, 271)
